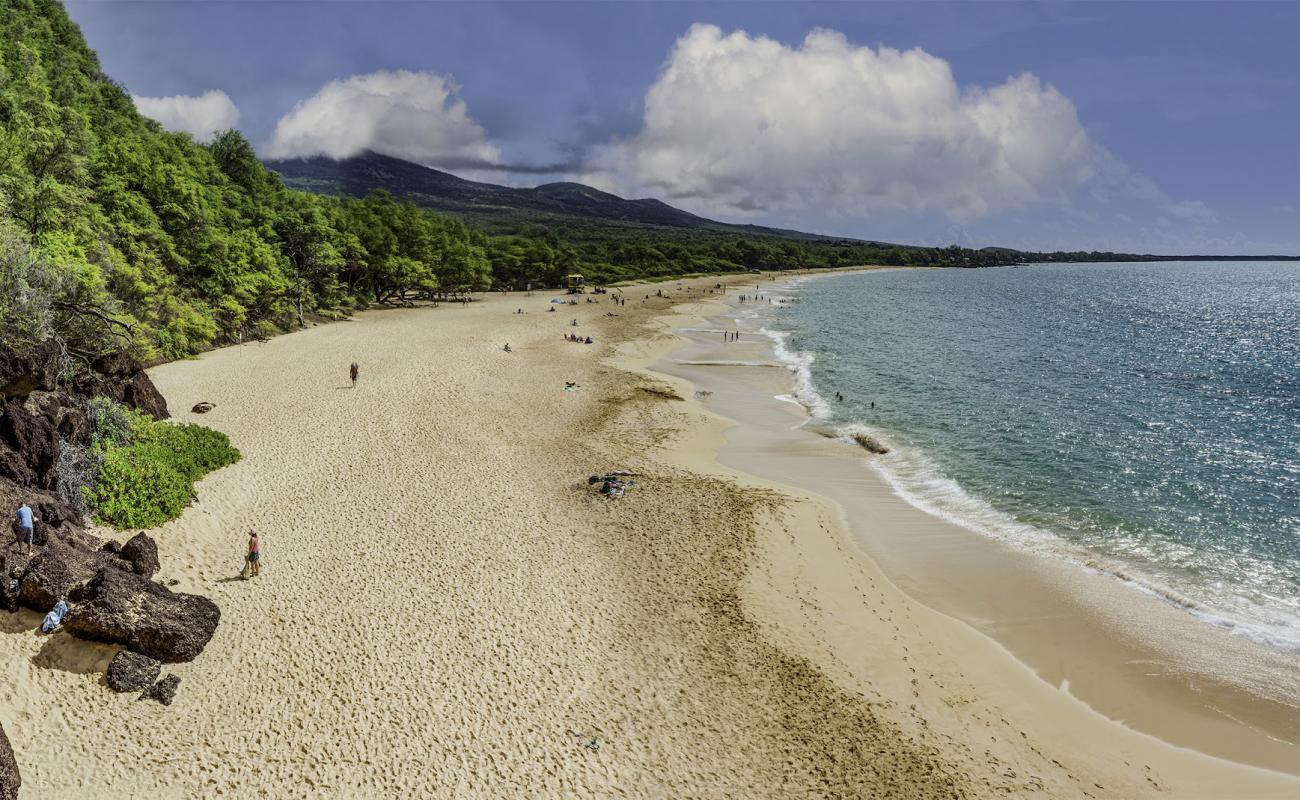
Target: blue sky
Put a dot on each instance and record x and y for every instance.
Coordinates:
(1153, 127)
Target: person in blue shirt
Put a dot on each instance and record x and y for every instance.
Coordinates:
(25, 525)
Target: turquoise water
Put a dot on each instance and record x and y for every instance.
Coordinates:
(1141, 419)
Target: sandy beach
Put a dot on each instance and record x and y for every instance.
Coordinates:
(447, 609)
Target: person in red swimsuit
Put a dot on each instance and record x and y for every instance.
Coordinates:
(254, 554)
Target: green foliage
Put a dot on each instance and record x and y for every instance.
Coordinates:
(147, 468)
(111, 424)
(136, 488)
(192, 451)
(115, 232)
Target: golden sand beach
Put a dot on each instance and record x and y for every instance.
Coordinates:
(448, 609)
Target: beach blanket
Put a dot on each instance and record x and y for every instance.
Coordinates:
(55, 618)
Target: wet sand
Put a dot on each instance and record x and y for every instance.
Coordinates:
(1130, 656)
(447, 609)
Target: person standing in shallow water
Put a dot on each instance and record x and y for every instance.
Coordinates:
(353, 371)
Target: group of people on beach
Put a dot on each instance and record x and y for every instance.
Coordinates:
(730, 336)
(573, 337)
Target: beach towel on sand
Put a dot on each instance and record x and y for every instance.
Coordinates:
(55, 618)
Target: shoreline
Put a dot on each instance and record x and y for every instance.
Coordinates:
(447, 606)
(1095, 647)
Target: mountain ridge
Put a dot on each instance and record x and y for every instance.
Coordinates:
(443, 191)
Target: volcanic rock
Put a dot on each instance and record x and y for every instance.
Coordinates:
(55, 571)
(164, 691)
(130, 610)
(120, 377)
(22, 373)
(142, 552)
(29, 447)
(10, 780)
(131, 672)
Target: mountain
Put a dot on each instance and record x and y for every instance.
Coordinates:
(495, 207)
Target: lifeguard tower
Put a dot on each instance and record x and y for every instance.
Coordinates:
(575, 283)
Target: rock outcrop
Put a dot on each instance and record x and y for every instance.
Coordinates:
(123, 608)
(10, 780)
(132, 672)
(164, 691)
(142, 552)
(109, 587)
(35, 368)
(58, 570)
(29, 446)
(120, 377)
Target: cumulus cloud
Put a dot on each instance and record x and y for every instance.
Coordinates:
(411, 115)
(200, 116)
(740, 123)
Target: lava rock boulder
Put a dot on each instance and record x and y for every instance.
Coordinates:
(142, 552)
(164, 691)
(132, 672)
(10, 780)
(128, 609)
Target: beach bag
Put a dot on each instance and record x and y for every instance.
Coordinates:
(248, 568)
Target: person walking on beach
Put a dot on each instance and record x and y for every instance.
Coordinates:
(352, 373)
(25, 526)
(253, 561)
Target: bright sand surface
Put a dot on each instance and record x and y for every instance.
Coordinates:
(447, 609)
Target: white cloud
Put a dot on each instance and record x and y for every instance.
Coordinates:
(738, 123)
(200, 116)
(412, 115)
(1193, 211)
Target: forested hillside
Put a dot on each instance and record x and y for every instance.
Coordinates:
(116, 233)
(114, 230)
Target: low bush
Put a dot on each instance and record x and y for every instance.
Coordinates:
(147, 475)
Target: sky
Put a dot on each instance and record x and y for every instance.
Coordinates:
(1161, 127)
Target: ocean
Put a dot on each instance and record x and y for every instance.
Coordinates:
(1142, 420)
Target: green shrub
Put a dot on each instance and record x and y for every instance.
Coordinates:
(110, 423)
(191, 450)
(136, 490)
(147, 475)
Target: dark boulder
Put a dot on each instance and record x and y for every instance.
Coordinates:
(203, 408)
(142, 552)
(30, 446)
(142, 395)
(55, 571)
(55, 512)
(164, 691)
(35, 368)
(10, 780)
(13, 566)
(131, 672)
(130, 610)
(65, 412)
(120, 377)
